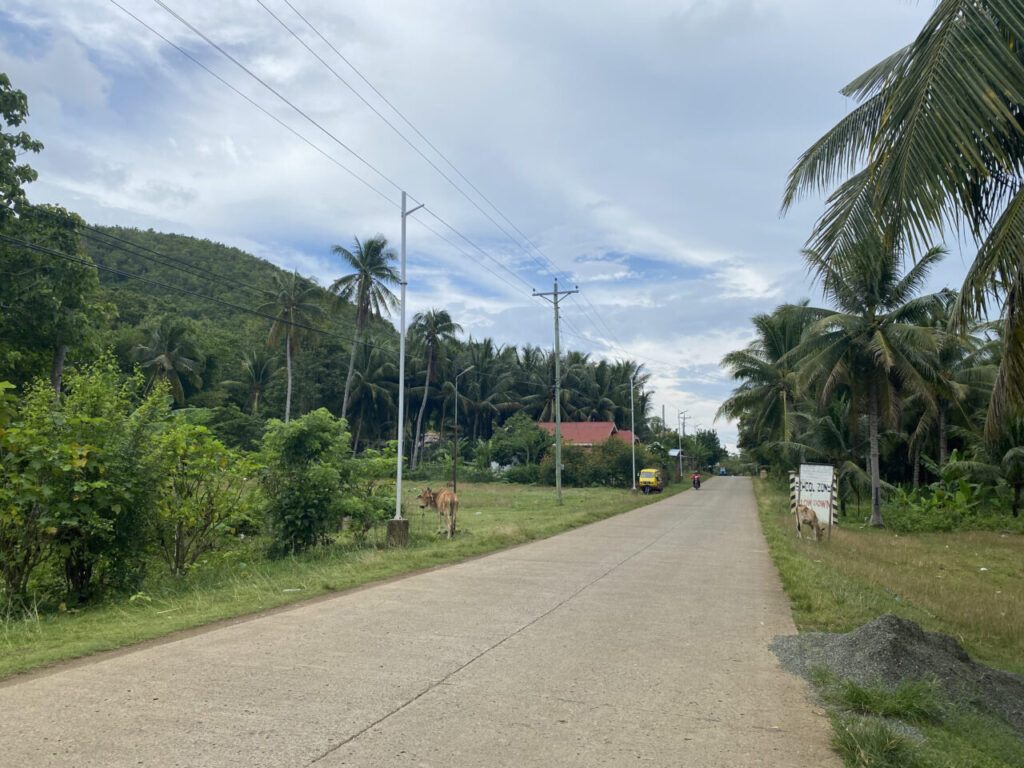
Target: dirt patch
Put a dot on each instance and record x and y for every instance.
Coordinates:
(891, 649)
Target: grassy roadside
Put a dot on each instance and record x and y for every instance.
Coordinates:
(968, 585)
(240, 581)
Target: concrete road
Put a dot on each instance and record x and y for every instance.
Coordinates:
(641, 639)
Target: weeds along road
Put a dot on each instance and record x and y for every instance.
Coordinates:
(639, 639)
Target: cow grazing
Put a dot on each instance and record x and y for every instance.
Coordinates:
(807, 516)
(446, 504)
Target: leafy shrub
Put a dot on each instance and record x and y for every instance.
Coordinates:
(955, 506)
(304, 460)
(520, 440)
(206, 487)
(369, 493)
(607, 463)
(78, 479)
(523, 473)
(575, 467)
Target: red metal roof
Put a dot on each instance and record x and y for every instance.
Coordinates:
(583, 432)
(625, 436)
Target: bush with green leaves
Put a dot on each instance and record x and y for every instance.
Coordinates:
(607, 463)
(79, 475)
(304, 463)
(368, 489)
(206, 490)
(519, 441)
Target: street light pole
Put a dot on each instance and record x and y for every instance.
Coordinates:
(401, 377)
(632, 422)
(680, 419)
(455, 440)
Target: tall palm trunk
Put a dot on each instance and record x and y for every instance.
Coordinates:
(288, 362)
(917, 466)
(351, 367)
(419, 419)
(876, 481)
(943, 434)
(57, 370)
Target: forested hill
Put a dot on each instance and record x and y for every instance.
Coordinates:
(222, 283)
(200, 266)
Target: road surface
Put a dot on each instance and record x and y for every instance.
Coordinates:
(639, 640)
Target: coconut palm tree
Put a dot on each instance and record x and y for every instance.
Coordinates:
(374, 393)
(171, 353)
(875, 342)
(366, 288)
(294, 303)
(766, 399)
(430, 331)
(938, 140)
(258, 371)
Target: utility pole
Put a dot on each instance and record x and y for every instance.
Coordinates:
(680, 418)
(632, 422)
(398, 529)
(455, 438)
(555, 295)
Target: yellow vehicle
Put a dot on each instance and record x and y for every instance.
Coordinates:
(651, 481)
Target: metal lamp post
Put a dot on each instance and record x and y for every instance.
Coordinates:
(455, 439)
(632, 423)
(398, 528)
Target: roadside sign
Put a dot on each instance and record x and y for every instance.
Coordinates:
(815, 487)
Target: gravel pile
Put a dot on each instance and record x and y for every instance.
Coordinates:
(891, 649)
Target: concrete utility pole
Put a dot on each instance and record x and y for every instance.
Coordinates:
(455, 438)
(398, 529)
(680, 430)
(555, 295)
(632, 421)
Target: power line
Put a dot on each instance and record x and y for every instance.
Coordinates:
(317, 148)
(334, 138)
(262, 109)
(277, 93)
(391, 125)
(554, 269)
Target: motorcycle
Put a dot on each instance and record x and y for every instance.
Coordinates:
(696, 482)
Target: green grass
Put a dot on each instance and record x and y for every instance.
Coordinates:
(240, 581)
(935, 579)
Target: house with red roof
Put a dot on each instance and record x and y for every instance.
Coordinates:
(587, 434)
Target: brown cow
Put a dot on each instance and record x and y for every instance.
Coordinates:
(807, 516)
(446, 504)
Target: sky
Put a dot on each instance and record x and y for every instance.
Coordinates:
(637, 151)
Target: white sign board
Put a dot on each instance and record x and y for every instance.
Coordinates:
(814, 490)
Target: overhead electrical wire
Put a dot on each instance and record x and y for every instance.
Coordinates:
(279, 95)
(262, 109)
(551, 266)
(322, 152)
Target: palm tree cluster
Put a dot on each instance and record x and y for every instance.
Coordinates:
(876, 376)
(500, 380)
(935, 144)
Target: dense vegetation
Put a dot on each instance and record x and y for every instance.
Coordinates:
(919, 398)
